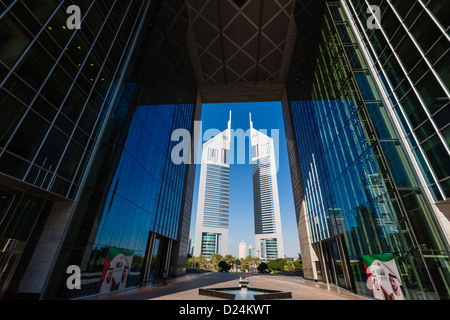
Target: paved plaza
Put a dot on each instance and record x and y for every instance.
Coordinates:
(187, 288)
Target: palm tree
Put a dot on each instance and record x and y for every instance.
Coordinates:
(201, 260)
(197, 262)
(255, 262)
(215, 259)
(229, 259)
(242, 263)
(236, 262)
(289, 266)
(247, 262)
(190, 262)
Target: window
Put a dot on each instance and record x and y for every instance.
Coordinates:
(29, 136)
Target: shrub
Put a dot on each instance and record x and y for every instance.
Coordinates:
(277, 265)
(298, 265)
(263, 267)
(223, 266)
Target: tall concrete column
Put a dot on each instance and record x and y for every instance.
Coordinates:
(309, 254)
(46, 250)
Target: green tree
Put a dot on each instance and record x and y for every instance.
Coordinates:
(201, 260)
(223, 266)
(230, 260)
(277, 265)
(273, 264)
(263, 267)
(255, 262)
(249, 262)
(282, 264)
(214, 261)
(289, 266)
(298, 265)
(190, 262)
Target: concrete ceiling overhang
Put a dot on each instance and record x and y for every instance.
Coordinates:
(241, 49)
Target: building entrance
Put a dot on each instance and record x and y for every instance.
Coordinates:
(21, 221)
(334, 262)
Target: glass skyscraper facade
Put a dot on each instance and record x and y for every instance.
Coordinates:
(88, 116)
(213, 206)
(262, 197)
(57, 86)
(361, 192)
(408, 55)
(269, 243)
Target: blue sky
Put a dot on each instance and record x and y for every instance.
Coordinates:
(267, 116)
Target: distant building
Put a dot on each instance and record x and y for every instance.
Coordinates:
(251, 251)
(242, 250)
(268, 234)
(87, 116)
(211, 231)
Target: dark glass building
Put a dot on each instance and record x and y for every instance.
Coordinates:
(357, 154)
(86, 173)
(87, 116)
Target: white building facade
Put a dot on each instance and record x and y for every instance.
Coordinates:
(242, 250)
(251, 251)
(268, 233)
(211, 231)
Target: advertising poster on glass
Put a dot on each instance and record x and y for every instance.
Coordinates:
(116, 270)
(383, 278)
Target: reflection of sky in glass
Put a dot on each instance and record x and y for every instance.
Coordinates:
(344, 192)
(131, 209)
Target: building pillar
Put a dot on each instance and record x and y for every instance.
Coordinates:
(45, 254)
(444, 217)
(148, 258)
(309, 255)
(168, 255)
(344, 261)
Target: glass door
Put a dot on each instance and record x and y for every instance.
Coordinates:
(154, 260)
(8, 257)
(329, 264)
(19, 214)
(334, 263)
(338, 264)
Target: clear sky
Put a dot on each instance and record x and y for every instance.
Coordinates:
(267, 116)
